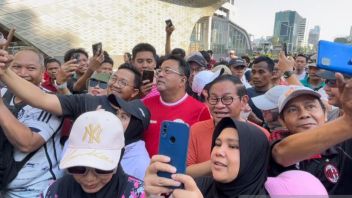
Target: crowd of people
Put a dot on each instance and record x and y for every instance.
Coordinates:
(258, 126)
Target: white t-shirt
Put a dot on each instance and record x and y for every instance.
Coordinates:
(43, 167)
(302, 75)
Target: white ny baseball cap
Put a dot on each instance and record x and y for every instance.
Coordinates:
(96, 140)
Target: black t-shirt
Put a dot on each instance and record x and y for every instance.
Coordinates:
(70, 84)
(333, 168)
(74, 105)
(251, 92)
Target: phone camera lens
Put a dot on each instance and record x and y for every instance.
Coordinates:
(172, 139)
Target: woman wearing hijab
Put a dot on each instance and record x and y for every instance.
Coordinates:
(135, 118)
(239, 159)
(92, 161)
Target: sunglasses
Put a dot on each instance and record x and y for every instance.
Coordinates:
(82, 170)
(94, 83)
(331, 83)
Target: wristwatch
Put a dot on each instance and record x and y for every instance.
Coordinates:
(62, 86)
(288, 74)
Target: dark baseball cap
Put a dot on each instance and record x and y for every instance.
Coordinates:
(237, 62)
(330, 75)
(199, 59)
(134, 107)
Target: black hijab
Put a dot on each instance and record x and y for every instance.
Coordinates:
(254, 155)
(134, 131)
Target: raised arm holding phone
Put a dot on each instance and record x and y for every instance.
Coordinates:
(168, 29)
(94, 64)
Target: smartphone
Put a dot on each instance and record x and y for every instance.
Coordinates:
(174, 138)
(284, 48)
(76, 56)
(97, 48)
(148, 75)
(169, 23)
(335, 57)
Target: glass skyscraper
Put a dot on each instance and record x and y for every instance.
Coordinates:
(290, 29)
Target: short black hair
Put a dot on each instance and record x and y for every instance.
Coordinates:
(302, 55)
(137, 76)
(51, 60)
(241, 89)
(179, 52)
(245, 57)
(107, 58)
(128, 55)
(70, 52)
(268, 61)
(210, 52)
(159, 60)
(205, 55)
(142, 47)
(183, 65)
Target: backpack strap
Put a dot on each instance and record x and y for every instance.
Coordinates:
(16, 108)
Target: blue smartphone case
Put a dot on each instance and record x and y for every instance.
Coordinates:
(174, 138)
(335, 57)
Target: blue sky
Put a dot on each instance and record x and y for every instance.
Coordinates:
(333, 16)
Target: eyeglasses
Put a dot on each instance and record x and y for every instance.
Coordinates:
(120, 82)
(82, 170)
(94, 83)
(226, 100)
(331, 83)
(167, 71)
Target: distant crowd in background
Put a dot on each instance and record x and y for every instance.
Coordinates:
(258, 126)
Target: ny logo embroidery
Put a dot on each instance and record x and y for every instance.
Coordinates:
(93, 132)
(288, 92)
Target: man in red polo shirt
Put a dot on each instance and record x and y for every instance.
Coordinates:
(173, 103)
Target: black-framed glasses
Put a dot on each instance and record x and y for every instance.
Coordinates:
(82, 170)
(226, 100)
(167, 70)
(120, 82)
(331, 82)
(94, 83)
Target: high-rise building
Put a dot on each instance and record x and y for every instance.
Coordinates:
(314, 35)
(220, 33)
(290, 29)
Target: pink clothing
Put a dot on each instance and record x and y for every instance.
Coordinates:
(295, 182)
(152, 93)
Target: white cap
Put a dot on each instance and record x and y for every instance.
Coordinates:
(96, 141)
(270, 99)
(203, 78)
(224, 67)
(293, 92)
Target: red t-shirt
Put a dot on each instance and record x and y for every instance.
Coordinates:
(199, 147)
(47, 84)
(187, 109)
